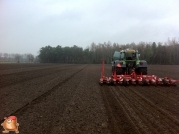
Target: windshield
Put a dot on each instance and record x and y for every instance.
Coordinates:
(122, 56)
(116, 55)
(130, 56)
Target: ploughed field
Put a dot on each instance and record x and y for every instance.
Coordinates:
(67, 98)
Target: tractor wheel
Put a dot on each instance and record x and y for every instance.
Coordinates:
(143, 71)
(119, 71)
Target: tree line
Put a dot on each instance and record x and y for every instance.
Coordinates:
(18, 58)
(153, 53)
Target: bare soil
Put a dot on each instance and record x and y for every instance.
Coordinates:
(66, 98)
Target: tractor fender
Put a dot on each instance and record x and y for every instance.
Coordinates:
(119, 62)
(142, 63)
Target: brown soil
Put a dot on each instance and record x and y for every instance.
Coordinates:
(63, 98)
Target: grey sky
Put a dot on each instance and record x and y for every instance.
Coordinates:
(28, 25)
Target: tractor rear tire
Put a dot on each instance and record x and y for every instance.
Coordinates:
(119, 71)
(143, 71)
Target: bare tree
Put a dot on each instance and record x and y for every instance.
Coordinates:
(30, 57)
(17, 57)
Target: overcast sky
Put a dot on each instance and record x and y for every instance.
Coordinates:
(28, 25)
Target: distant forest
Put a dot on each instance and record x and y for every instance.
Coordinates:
(166, 53)
(17, 58)
(153, 53)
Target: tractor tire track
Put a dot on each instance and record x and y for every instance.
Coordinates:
(30, 69)
(166, 101)
(168, 92)
(38, 99)
(134, 102)
(75, 107)
(160, 117)
(15, 66)
(172, 97)
(16, 78)
(85, 110)
(119, 119)
(135, 114)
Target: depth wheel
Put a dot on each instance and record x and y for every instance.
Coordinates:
(125, 83)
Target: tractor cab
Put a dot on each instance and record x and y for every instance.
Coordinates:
(129, 54)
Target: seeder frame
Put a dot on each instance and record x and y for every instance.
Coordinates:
(134, 79)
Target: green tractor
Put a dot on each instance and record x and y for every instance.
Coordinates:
(125, 61)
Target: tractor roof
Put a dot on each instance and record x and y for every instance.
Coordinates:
(129, 50)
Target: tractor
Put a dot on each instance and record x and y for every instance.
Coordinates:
(127, 69)
(126, 61)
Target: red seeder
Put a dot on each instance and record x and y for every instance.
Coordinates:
(134, 79)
